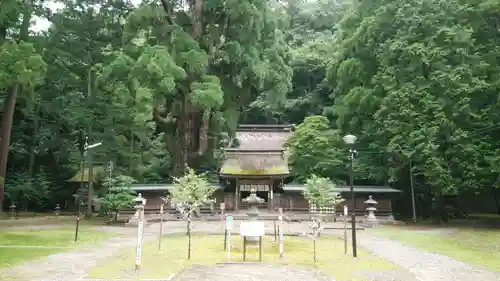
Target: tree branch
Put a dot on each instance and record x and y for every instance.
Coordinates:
(168, 11)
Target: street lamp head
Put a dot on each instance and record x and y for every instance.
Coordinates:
(349, 139)
(93, 145)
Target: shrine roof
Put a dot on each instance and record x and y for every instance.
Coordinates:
(260, 152)
(162, 187)
(345, 188)
(98, 171)
(262, 137)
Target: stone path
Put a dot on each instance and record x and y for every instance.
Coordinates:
(249, 272)
(424, 265)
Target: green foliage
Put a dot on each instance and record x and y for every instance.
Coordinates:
(21, 64)
(191, 191)
(315, 149)
(24, 190)
(321, 192)
(120, 194)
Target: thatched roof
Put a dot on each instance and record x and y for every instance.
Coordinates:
(260, 152)
(261, 137)
(98, 172)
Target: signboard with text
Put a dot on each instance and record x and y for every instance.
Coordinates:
(252, 228)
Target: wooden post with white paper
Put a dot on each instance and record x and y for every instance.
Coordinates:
(345, 229)
(281, 231)
(229, 228)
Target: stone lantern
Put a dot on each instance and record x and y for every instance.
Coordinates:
(253, 211)
(12, 210)
(139, 203)
(371, 220)
(57, 210)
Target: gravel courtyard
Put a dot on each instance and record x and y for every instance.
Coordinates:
(417, 265)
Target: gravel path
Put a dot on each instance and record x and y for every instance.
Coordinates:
(417, 265)
(249, 272)
(74, 265)
(424, 265)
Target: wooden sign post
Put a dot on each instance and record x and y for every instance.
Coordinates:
(140, 233)
(280, 217)
(222, 209)
(161, 226)
(229, 227)
(345, 229)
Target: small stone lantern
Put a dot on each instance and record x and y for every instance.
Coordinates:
(57, 210)
(253, 204)
(12, 210)
(371, 220)
(253, 211)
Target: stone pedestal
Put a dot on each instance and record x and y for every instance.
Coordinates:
(134, 220)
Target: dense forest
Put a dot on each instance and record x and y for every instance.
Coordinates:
(164, 83)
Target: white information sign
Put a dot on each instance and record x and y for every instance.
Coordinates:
(252, 228)
(345, 210)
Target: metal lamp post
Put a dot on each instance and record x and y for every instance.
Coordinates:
(79, 202)
(350, 140)
(86, 147)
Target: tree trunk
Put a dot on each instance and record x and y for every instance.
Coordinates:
(495, 192)
(203, 143)
(34, 141)
(132, 150)
(182, 139)
(6, 129)
(441, 215)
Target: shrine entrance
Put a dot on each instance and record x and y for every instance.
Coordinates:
(264, 190)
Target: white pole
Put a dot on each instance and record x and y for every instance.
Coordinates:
(345, 229)
(161, 227)
(229, 246)
(140, 229)
(281, 236)
(412, 193)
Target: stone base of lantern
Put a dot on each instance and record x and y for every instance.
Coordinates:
(371, 223)
(134, 220)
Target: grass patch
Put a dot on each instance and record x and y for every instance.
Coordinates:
(60, 239)
(479, 247)
(51, 220)
(208, 249)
